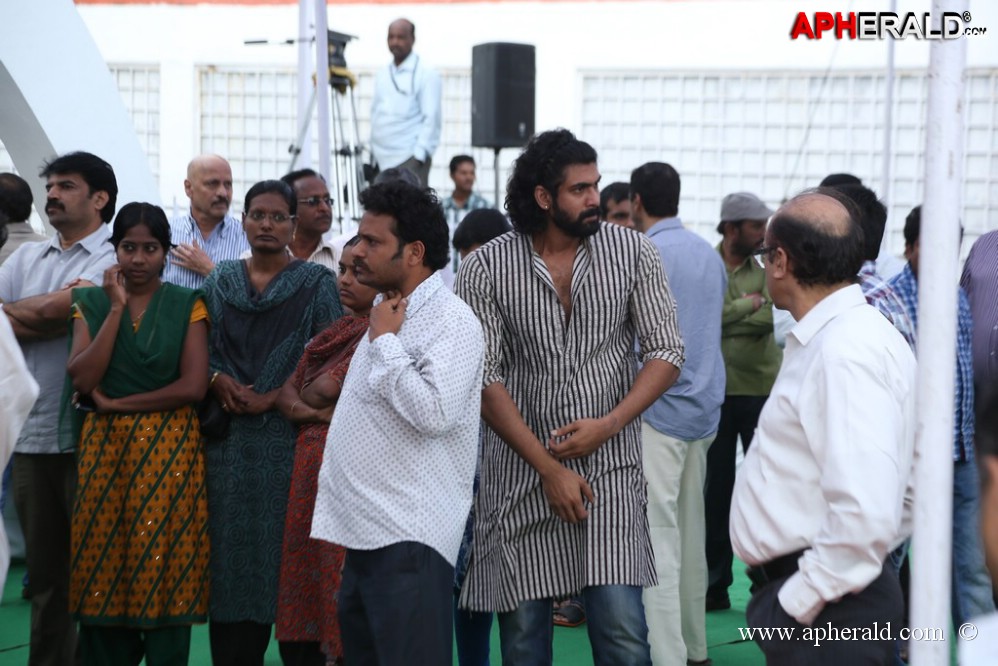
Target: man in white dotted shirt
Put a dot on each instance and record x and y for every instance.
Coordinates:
(396, 480)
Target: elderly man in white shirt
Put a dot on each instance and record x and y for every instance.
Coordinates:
(396, 480)
(822, 497)
(405, 112)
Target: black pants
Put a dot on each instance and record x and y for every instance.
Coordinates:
(301, 653)
(238, 643)
(739, 417)
(44, 487)
(395, 606)
(120, 646)
(878, 607)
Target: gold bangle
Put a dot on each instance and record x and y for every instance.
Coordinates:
(211, 382)
(293, 405)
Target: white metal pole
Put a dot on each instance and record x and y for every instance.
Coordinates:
(305, 90)
(937, 305)
(886, 194)
(322, 84)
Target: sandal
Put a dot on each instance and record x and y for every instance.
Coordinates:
(571, 613)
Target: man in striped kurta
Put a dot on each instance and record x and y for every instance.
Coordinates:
(561, 506)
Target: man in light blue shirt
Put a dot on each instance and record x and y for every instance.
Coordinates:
(36, 291)
(405, 113)
(678, 428)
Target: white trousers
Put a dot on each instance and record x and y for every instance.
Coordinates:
(675, 470)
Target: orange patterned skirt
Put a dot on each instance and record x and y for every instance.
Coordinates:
(140, 526)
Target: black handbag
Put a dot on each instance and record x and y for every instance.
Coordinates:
(213, 419)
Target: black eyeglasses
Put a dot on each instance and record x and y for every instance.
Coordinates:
(766, 251)
(315, 201)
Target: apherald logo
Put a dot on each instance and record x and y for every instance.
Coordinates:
(878, 25)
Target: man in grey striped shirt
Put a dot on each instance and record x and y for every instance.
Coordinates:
(561, 506)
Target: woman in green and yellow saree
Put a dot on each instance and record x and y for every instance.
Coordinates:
(139, 364)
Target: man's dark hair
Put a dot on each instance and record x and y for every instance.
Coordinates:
(723, 223)
(275, 187)
(837, 179)
(614, 192)
(872, 217)
(397, 173)
(913, 226)
(479, 227)
(818, 255)
(15, 197)
(458, 160)
(658, 185)
(293, 177)
(418, 217)
(543, 163)
(95, 172)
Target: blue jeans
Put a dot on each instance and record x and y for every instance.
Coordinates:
(972, 595)
(615, 618)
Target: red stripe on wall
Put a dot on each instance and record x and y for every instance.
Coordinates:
(330, 2)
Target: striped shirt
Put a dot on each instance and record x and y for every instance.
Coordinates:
(905, 285)
(455, 214)
(557, 373)
(980, 281)
(227, 241)
(880, 295)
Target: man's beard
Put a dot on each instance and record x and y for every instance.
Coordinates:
(579, 228)
(743, 248)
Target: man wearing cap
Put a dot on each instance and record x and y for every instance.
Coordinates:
(751, 361)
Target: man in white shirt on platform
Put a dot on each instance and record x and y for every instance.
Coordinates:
(405, 112)
(822, 496)
(396, 482)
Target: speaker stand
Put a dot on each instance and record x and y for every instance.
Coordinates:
(495, 171)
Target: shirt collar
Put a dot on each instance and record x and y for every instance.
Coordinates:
(665, 224)
(423, 293)
(407, 64)
(221, 228)
(825, 310)
(91, 243)
(420, 295)
(869, 269)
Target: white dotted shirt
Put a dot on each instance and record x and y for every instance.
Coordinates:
(400, 455)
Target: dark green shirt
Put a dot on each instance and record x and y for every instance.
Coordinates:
(751, 356)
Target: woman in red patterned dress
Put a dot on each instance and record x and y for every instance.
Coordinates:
(307, 629)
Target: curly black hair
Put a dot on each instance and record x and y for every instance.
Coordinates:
(418, 217)
(542, 163)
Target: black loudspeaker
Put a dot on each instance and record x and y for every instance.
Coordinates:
(502, 94)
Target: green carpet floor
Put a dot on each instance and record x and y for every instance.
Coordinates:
(571, 646)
